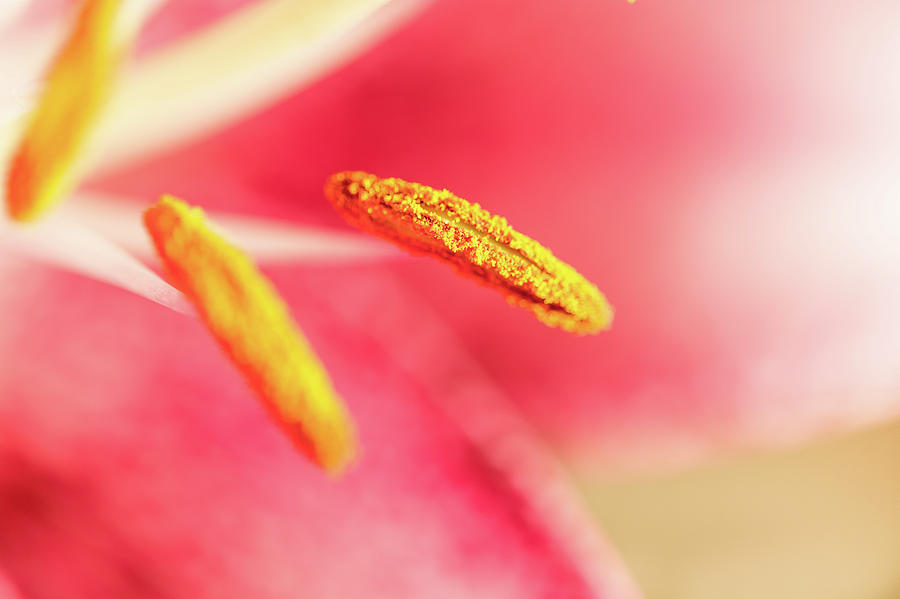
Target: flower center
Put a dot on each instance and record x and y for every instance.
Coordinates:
(237, 303)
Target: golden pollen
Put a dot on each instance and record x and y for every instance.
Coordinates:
(77, 87)
(423, 220)
(252, 325)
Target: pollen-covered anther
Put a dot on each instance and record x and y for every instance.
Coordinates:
(252, 325)
(481, 246)
(77, 86)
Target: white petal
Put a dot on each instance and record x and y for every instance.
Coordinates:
(237, 66)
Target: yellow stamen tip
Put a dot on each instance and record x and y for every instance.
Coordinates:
(77, 86)
(423, 220)
(252, 325)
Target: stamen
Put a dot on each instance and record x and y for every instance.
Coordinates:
(77, 86)
(478, 245)
(252, 325)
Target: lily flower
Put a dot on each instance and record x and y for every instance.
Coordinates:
(725, 172)
(106, 489)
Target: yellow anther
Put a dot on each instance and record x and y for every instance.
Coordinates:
(77, 86)
(423, 220)
(252, 325)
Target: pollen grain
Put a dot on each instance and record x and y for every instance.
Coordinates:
(252, 325)
(478, 245)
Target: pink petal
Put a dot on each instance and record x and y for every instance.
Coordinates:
(240, 65)
(135, 463)
(7, 591)
(725, 172)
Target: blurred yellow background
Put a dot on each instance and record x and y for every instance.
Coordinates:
(821, 521)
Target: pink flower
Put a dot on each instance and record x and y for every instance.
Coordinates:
(722, 172)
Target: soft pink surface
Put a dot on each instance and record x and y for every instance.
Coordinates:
(135, 463)
(723, 171)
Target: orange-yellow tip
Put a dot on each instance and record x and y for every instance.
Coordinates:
(478, 245)
(252, 325)
(44, 167)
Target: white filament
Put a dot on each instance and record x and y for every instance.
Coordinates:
(242, 63)
(119, 219)
(78, 249)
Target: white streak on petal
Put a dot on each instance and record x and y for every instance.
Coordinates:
(133, 15)
(276, 242)
(269, 242)
(236, 67)
(24, 55)
(9, 10)
(490, 421)
(78, 249)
